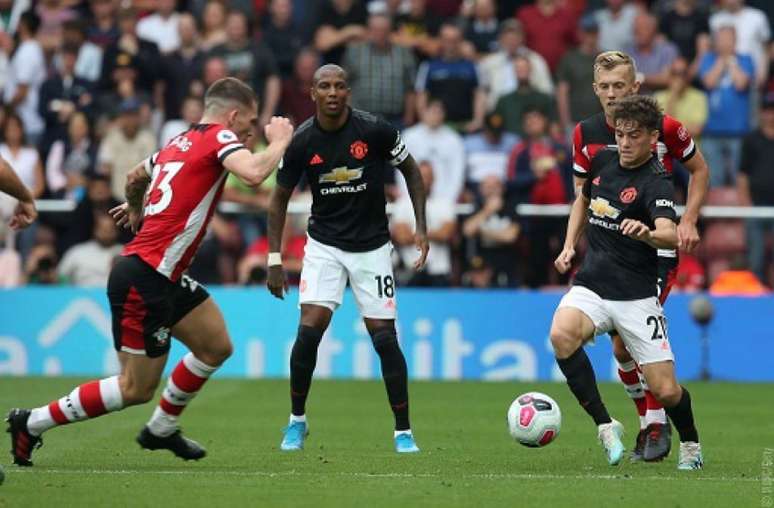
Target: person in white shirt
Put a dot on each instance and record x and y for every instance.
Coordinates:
(616, 25)
(161, 27)
(26, 73)
(89, 263)
(496, 71)
(441, 228)
(442, 147)
(752, 32)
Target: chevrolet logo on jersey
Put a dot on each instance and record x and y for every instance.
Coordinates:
(342, 175)
(602, 208)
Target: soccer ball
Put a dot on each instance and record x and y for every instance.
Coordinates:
(534, 419)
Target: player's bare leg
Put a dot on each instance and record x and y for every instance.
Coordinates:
(660, 376)
(135, 385)
(203, 331)
(570, 329)
(395, 375)
(303, 359)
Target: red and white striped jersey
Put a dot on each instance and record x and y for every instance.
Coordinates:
(187, 178)
(593, 134)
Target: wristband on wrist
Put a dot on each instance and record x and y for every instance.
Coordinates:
(275, 258)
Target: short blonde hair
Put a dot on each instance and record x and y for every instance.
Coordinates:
(609, 60)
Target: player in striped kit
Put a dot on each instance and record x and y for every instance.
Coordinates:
(171, 197)
(615, 78)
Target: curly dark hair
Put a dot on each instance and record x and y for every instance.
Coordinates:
(641, 109)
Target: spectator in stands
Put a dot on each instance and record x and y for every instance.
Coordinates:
(682, 101)
(40, 266)
(382, 74)
(161, 27)
(252, 63)
(454, 81)
(80, 224)
(738, 280)
(418, 29)
(616, 25)
(10, 13)
(497, 73)
(190, 114)
(753, 32)
(282, 36)
(125, 145)
(481, 30)
(441, 228)
(214, 69)
(727, 76)
(88, 65)
(341, 22)
(432, 141)
(144, 55)
(539, 173)
(575, 98)
(124, 85)
(296, 102)
(53, 14)
(512, 106)
(183, 68)
(89, 263)
(550, 29)
(652, 55)
(61, 96)
(488, 151)
(71, 160)
(756, 184)
(26, 73)
(103, 30)
(492, 231)
(214, 25)
(686, 24)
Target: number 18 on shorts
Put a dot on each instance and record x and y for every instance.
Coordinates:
(326, 271)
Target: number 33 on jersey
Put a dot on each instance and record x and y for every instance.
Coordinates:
(187, 178)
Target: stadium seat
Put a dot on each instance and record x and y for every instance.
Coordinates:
(723, 196)
(723, 239)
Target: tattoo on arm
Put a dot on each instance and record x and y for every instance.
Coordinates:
(136, 185)
(278, 208)
(416, 188)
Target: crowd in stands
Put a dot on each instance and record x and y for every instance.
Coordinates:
(485, 92)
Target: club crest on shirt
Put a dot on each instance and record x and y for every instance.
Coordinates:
(628, 195)
(358, 149)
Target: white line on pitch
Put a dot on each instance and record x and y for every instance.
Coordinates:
(483, 476)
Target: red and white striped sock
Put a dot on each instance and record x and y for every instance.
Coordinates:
(88, 400)
(654, 410)
(183, 385)
(633, 385)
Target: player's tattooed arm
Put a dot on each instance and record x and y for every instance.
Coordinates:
(278, 209)
(416, 189)
(129, 214)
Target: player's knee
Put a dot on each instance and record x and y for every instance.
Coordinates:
(134, 393)
(668, 392)
(564, 343)
(216, 354)
(384, 337)
(619, 350)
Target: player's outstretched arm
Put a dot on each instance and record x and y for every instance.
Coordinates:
(416, 188)
(278, 209)
(687, 232)
(25, 212)
(254, 168)
(575, 226)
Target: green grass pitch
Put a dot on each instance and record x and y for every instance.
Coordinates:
(467, 457)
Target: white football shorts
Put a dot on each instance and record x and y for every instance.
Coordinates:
(640, 323)
(326, 270)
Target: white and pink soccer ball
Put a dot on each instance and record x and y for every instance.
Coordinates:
(534, 419)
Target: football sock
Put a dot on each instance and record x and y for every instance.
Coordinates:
(654, 409)
(682, 417)
(583, 384)
(303, 359)
(182, 386)
(88, 400)
(631, 380)
(395, 374)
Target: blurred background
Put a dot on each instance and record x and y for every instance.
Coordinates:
(486, 94)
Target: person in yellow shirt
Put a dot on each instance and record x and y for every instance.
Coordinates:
(682, 101)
